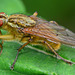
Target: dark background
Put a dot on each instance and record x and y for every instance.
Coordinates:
(61, 11)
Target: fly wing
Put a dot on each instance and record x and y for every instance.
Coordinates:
(42, 30)
(65, 35)
(52, 32)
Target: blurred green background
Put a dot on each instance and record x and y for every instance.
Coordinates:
(61, 11)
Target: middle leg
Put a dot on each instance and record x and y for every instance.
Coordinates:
(12, 67)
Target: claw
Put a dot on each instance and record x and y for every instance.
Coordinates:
(12, 67)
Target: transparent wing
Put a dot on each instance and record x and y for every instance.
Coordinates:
(65, 35)
(51, 32)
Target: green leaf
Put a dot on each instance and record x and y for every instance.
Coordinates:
(11, 7)
(32, 62)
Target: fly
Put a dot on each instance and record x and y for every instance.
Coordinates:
(34, 30)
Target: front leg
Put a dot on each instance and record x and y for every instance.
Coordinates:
(1, 44)
(6, 37)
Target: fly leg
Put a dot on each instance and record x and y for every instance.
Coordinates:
(1, 44)
(65, 60)
(6, 37)
(54, 22)
(12, 67)
(35, 14)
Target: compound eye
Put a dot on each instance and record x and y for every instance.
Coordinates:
(2, 14)
(1, 23)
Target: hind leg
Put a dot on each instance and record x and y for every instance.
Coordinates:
(65, 60)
